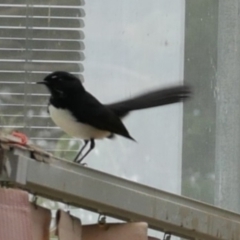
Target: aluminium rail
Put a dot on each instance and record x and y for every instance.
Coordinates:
(97, 191)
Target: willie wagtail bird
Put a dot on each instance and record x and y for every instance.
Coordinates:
(81, 115)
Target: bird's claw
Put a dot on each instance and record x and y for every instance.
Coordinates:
(82, 164)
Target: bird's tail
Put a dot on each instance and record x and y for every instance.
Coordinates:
(151, 99)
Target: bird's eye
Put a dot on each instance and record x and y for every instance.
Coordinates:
(54, 76)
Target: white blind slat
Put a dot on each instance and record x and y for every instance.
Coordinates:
(41, 34)
(46, 2)
(34, 66)
(39, 122)
(23, 77)
(41, 55)
(16, 109)
(41, 44)
(43, 11)
(41, 22)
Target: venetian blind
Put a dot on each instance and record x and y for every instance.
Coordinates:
(36, 38)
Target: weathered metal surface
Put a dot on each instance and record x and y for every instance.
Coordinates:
(80, 186)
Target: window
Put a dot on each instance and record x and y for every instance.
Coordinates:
(133, 46)
(37, 37)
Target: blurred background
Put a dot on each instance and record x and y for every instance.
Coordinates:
(119, 49)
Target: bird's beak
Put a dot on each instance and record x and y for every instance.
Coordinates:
(41, 83)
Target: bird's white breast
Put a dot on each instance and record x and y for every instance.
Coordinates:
(66, 121)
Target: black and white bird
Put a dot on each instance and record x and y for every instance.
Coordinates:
(81, 115)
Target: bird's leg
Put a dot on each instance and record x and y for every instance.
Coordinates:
(81, 150)
(92, 145)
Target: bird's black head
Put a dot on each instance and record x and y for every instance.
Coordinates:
(62, 83)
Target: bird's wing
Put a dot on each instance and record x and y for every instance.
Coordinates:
(90, 111)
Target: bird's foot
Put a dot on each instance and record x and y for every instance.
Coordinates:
(81, 163)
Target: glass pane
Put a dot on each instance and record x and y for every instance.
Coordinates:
(211, 119)
(200, 70)
(132, 47)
